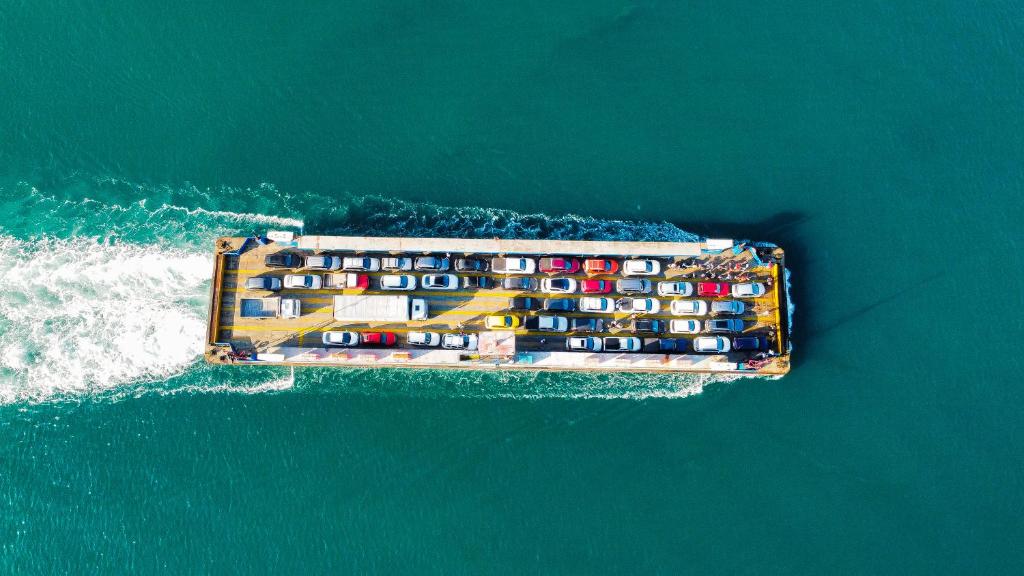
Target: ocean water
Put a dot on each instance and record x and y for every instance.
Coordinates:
(880, 144)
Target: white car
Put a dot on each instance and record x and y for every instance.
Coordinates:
(748, 290)
(684, 326)
(675, 289)
(361, 264)
(396, 264)
(558, 285)
(641, 268)
(711, 344)
(688, 307)
(440, 282)
(639, 305)
(546, 323)
(459, 341)
(621, 344)
(398, 282)
(583, 343)
(307, 281)
(727, 307)
(424, 338)
(431, 264)
(322, 262)
(599, 305)
(341, 338)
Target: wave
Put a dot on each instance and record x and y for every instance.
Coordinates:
(107, 283)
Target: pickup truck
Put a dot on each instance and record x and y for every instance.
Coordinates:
(338, 281)
(513, 265)
(273, 307)
(546, 323)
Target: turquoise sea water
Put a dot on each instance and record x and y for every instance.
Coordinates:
(880, 143)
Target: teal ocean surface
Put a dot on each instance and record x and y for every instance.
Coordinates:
(881, 144)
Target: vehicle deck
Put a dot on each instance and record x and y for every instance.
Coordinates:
(236, 339)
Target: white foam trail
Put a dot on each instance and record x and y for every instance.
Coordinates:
(80, 316)
(234, 216)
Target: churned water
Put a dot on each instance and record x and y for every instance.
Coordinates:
(880, 144)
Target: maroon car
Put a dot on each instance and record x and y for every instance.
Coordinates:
(559, 265)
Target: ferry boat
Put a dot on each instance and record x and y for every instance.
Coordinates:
(713, 306)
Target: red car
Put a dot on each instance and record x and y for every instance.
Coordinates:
(379, 338)
(596, 286)
(362, 282)
(716, 289)
(559, 265)
(600, 266)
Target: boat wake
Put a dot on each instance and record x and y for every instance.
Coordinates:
(106, 286)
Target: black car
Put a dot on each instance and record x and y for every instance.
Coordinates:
(586, 324)
(748, 343)
(655, 326)
(282, 260)
(667, 345)
(470, 265)
(523, 304)
(519, 284)
(477, 282)
(560, 304)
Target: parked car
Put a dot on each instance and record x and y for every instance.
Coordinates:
(725, 325)
(727, 307)
(379, 338)
(516, 265)
(528, 284)
(470, 265)
(340, 338)
(596, 286)
(282, 260)
(667, 345)
(748, 290)
(675, 289)
(396, 264)
(583, 344)
(638, 305)
(424, 338)
(431, 264)
(600, 266)
(560, 304)
(714, 344)
(633, 286)
(684, 326)
(440, 282)
(715, 289)
(307, 281)
(459, 341)
(621, 343)
(748, 343)
(361, 264)
(599, 305)
(504, 322)
(558, 285)
(270, 283)
(477, 282)
(546, 323)
(645, 267)
(558, 265)
(586, 324)
(322, 262)
(647, 325)
(524, 303)
(688, 308)
(398, 282)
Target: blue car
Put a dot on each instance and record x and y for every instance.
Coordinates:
(748, 343)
